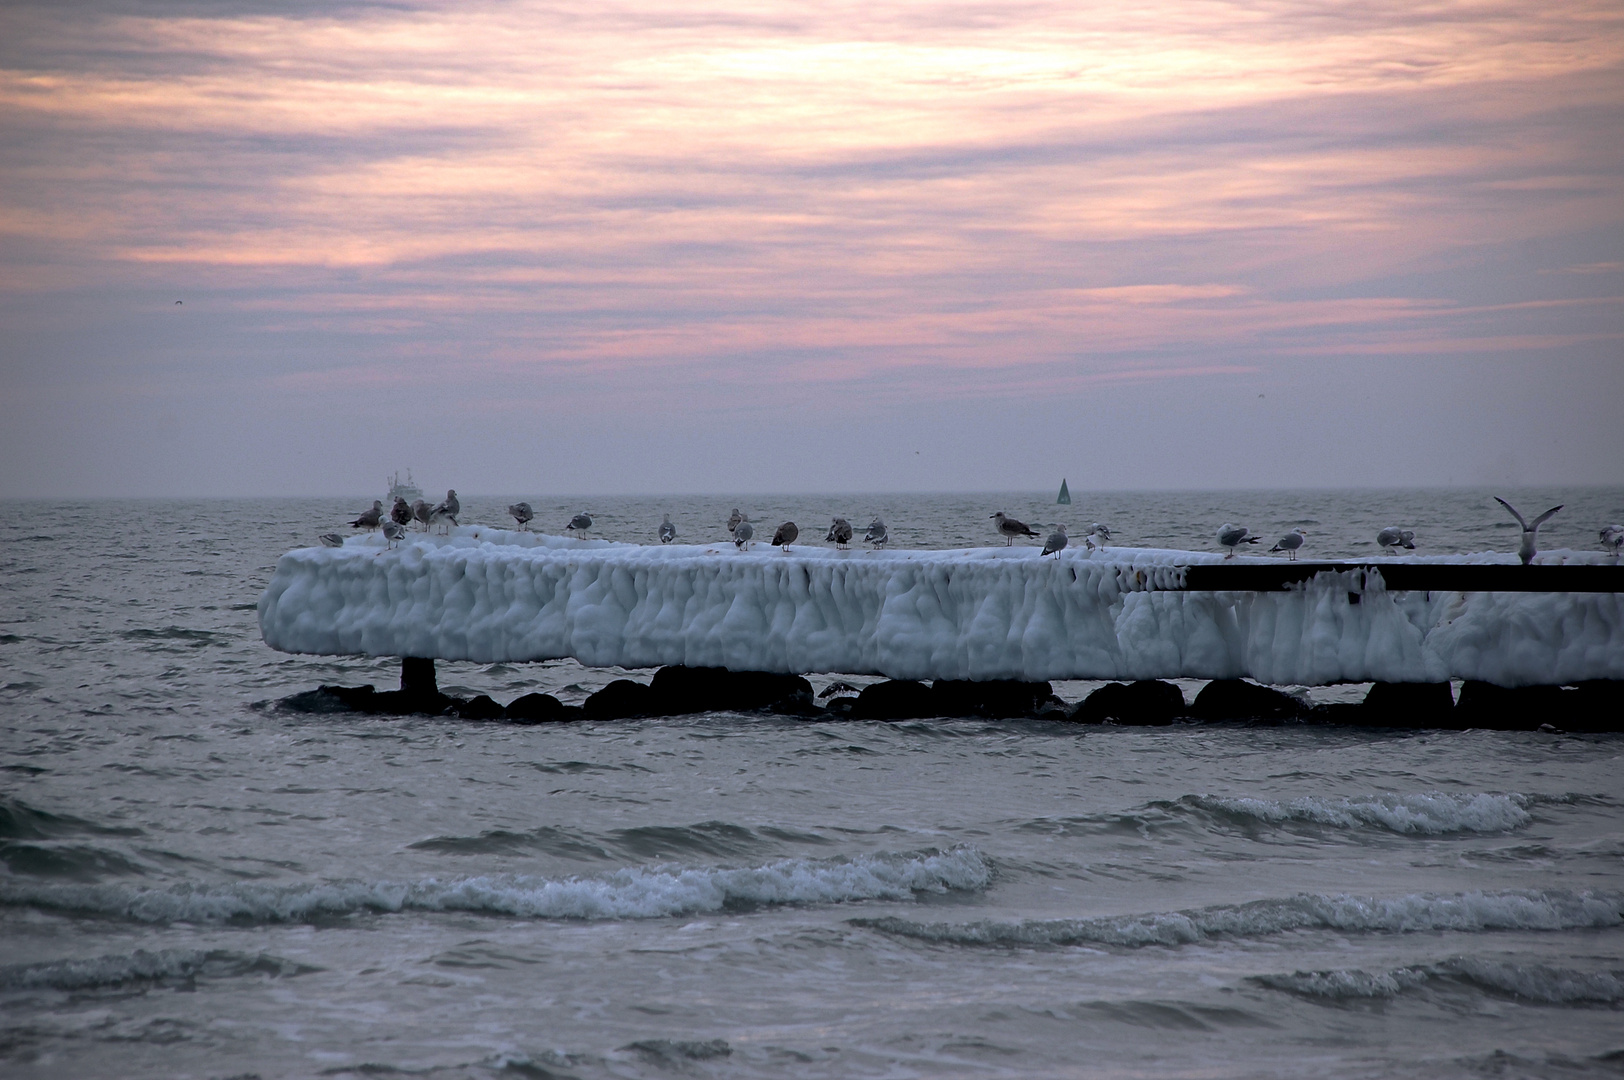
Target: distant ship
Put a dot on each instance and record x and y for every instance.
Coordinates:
(408, 491)
(1065, 496)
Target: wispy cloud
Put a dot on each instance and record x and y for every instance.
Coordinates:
(923, 200)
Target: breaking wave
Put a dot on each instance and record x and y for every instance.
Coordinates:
(141, 966)
(1429, 814)
(1477, 911)
(1540, 983)
(635, 893)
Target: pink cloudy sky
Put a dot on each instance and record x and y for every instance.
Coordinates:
(665, 247)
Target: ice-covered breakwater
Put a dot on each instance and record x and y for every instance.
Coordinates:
(490, 595)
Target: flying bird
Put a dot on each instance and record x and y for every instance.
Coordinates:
(400, 513)
(876, 533)
(1613, 537)
(840, 531)
(743, 533)
(1530, 533)
(1395, 537)
(1290, 542)
(1232, 536)
(668, 531)
(1009, 528)
(785, 535)
(522, 513)
(369, 518)
(579, 524)
(1056, 542)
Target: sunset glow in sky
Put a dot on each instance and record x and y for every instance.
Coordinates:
(639, 247)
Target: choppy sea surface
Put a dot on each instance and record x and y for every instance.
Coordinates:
(196, 884)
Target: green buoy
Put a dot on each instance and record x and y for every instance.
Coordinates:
(1065, 496)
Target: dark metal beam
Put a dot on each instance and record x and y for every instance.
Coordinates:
(1401, 577)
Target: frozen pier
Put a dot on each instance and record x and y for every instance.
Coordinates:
(490, 595)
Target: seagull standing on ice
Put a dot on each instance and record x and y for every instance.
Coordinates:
(421, 512)
(331, 540)
(448, 510)
(876, 533)
(392, 532)
(1530, 533)
(785, 535)
(1097, 536)
(1232, 536)
(668, 531)
(1056, 542)
(523, 514)
(400, 513)
(1290, 542)
(1009, 528)
(733, 520)
(840, 531)
(579, 524)
(369, 518)
(1612, 537)
(743, 533)
(1395, 537)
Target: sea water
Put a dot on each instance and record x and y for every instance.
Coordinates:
(197, 883)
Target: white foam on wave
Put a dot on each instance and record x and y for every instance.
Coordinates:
(1543, 983)
(1464, 912)
(490, 595)
(633, 893)
(1430, 814)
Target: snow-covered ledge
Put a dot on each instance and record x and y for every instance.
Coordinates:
(492, 595)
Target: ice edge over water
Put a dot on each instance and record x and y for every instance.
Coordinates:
(1470, 912)
(490, 595)
(633, 893)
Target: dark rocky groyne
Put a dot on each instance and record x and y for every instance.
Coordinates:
(680, 691)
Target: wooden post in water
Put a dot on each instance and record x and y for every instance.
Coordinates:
(417, 676)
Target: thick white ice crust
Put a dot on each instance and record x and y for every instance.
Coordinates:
(491, 595)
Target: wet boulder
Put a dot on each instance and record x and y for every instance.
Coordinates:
(480, 707)
(1237, 699)
(330, 699)
(1513, 708)
(1407, 705)
(620, 700)
(999, 699)
(677, 690)
(537, 709)
(1598, 705)
(1148, 702)
(895, 699)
